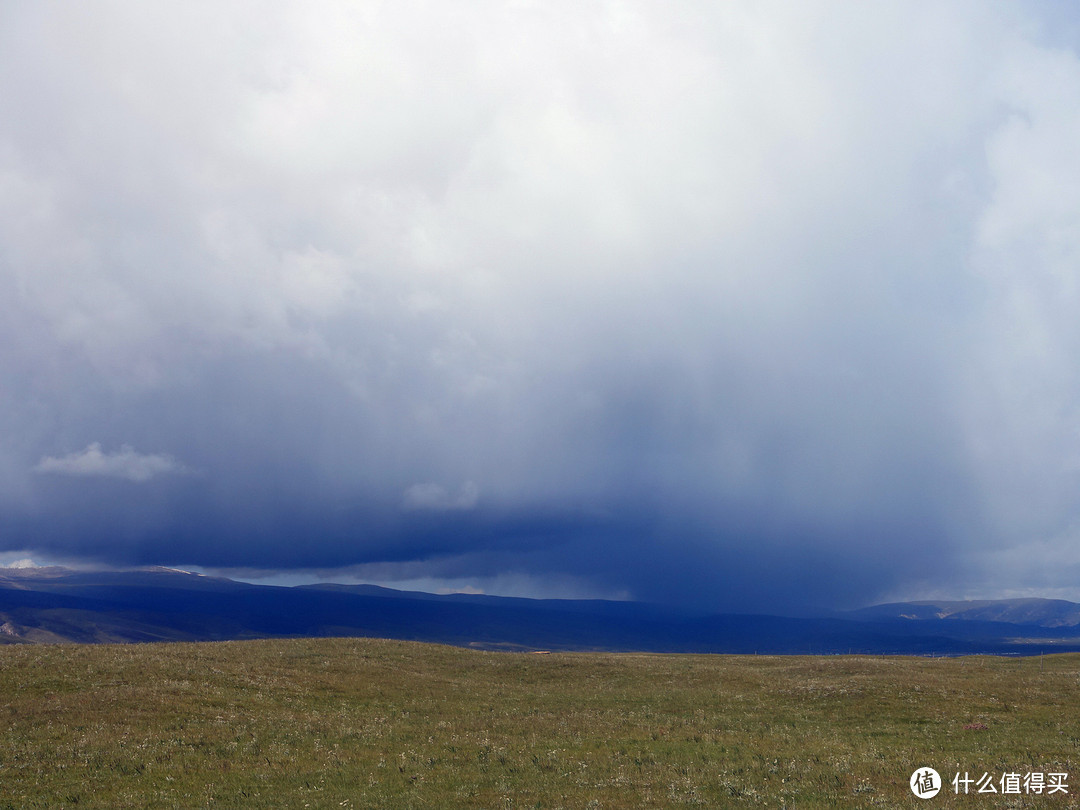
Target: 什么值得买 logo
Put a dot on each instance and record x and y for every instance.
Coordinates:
(925, 783)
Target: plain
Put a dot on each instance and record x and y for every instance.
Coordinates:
(386, 724)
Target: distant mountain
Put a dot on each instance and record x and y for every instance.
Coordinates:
(1037, 612)
(57, 605)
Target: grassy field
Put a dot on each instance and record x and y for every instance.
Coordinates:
(358, 723)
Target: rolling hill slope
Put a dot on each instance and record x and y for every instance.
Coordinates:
(58, 605)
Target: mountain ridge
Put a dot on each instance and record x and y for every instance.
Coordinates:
(156, 604)
(1024, 611)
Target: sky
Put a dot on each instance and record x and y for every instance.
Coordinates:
(747, 306)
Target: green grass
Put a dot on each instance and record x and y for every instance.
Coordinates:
(360, 723)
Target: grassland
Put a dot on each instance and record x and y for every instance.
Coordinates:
(376, 724)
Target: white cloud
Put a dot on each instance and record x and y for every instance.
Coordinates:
(437, 498)
(124, 463)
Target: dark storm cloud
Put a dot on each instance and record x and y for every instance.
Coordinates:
(757, 306)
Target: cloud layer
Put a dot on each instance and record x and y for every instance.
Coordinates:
(755, 305)
(124, 463)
